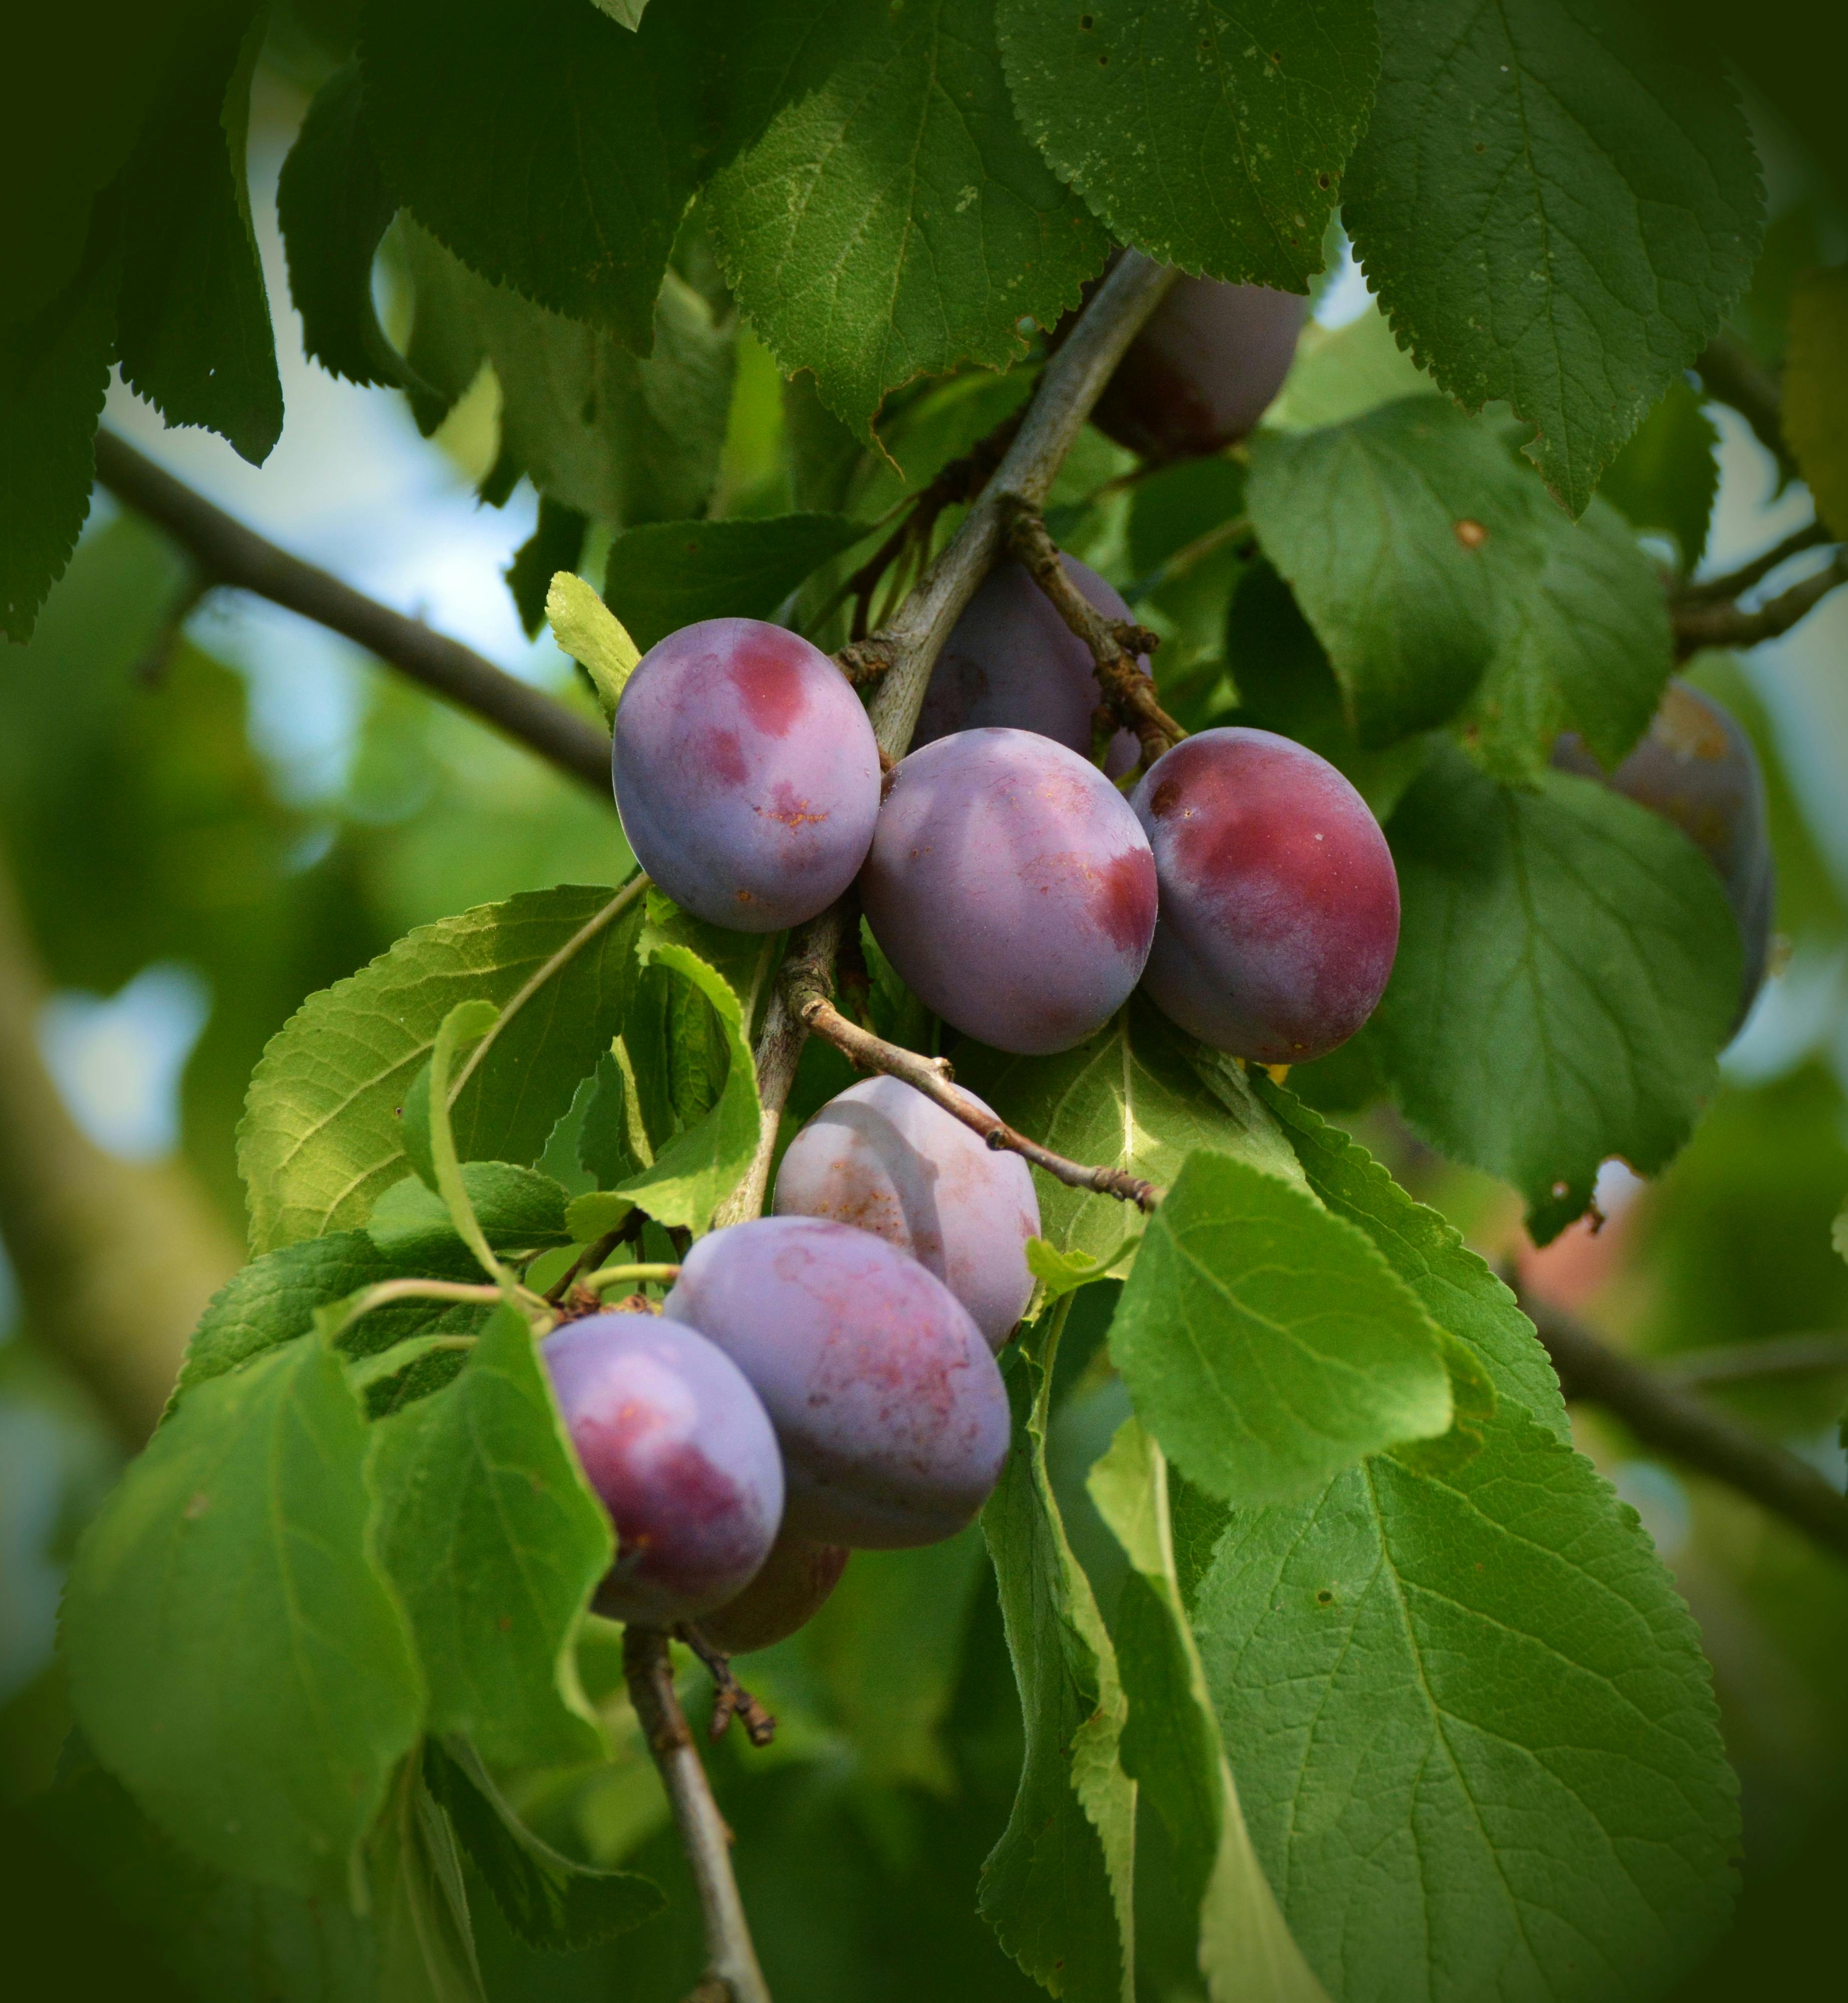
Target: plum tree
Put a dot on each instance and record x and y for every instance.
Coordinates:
(1011, 661)
(891, 1413)
(1695, 766)
(1011, 887)
(1204, 369)
(883, 1157)
(1279, 903)
(746, 773)
(679, 1448)
(790, 1589)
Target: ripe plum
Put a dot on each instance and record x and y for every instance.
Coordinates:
(789, 1592)
(1202, 371)
(1011, 661)
(1279, 903)
(883, 1157)
(746, 773)
(1011, 887)
(889, 1410)
(1696, 767)
(679, 1450)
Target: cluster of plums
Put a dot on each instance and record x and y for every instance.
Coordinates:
(818, 1381)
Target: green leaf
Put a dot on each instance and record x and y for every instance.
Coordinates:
(551, 150)
(1131, 1099)
(1568, 971)
(1458, 1292)
(594, 1215)
(555, 546)
(334, 209)
(83, 78)
(1437, 575)
(1171, 1746)
(1667, 475)
(495, 1545)
(586, 629)
(695, 1172)
(274, 1299)
(669, 574)
(429, 1140)
(425, 1939)
(1056, 1888)
(54, 375)
(888, 218)
(1815, 390)
(192, 323)
(617, 439)
(628, 13)
(1474, 1734)
(516, 1207)
(1266, 1343)
(549, 1900)
(1556, 209)
(614, 1141)
(321, 1137)
(234, 1654)
(1062, 1273)
(1212, 137)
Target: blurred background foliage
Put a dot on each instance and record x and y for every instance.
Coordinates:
(208, 811)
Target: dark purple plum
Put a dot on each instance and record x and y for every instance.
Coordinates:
(789, 1591)
(1204, 369)
(883, 1157)
(746, 773)
(1279, 903)
(1696, 767)
(1011, 887)
(889, 1410)
(679, 1448)
(1011, 661)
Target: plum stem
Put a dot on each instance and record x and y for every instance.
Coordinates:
(730, 1698)
(607, 1276)
(731, 1970)
(933, 1077)
(1128, 694)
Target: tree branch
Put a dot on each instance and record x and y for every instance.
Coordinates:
(1663, 1415)
(231, 555)
(1736, 583)
(1736, 376)
(1757, 1362)
(115, 1260)
(1128, 694)
(731, 1970)
(1699, 626)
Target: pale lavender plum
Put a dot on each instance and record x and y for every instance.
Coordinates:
(1695, 766)
(791, 1589)
(1279, 903)
(1011, 661)
(1204, 369)
(678, 1447)
(746, 773)
(1012, 888)
(883, 1157)
(889, 1410)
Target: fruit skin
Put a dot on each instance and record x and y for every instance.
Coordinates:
(677, 1447)
(1012, 662)
(746, 773)
(1695, 766)
(1011, 887)
(1280, 902)
(791, 1589)
(882, 1157)
(1204, 369)
(889, 1410)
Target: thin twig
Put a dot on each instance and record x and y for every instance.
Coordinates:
(731, 1970)
(1664, 1415)
(1128, 692)
(1736, 583)
(1733, 374)
(1699, 626)
(1757, 1362)
(229, 554)
(730, 1698)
